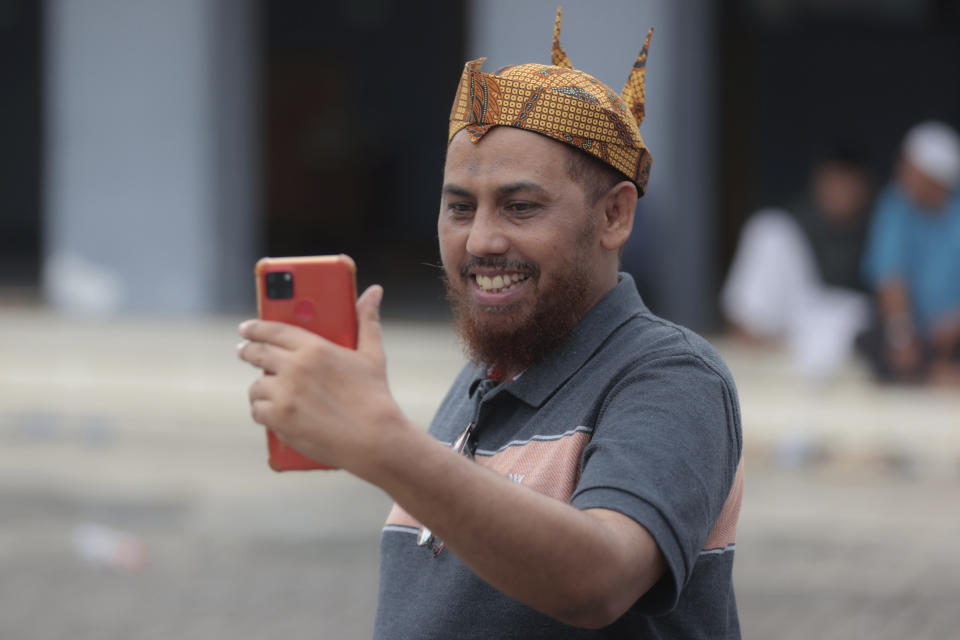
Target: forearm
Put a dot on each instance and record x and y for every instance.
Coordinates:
(899, 332)
(894, 301)
(573, 565)
(946, 336)
(895, 310)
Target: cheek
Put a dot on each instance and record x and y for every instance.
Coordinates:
(451, 245)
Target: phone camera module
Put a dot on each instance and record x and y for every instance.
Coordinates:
(279, 285)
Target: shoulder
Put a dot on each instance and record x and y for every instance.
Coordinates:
(666, 369)
(648, 340)
(891, 205)
(954, 207)
(622, 338)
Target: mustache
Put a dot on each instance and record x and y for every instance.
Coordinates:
(499, 263)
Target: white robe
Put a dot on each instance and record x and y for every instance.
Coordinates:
(774, 290)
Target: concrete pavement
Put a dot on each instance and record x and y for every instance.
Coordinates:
(141, 428)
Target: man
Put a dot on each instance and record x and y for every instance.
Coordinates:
(913, 262)
(796, 274)
(581, 476)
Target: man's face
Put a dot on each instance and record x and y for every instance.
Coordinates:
(519, 245)
(926, 192)
(841, 191)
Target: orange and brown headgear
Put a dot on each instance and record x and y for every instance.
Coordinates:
(561, 103)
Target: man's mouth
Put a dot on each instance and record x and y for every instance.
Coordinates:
(500, 283)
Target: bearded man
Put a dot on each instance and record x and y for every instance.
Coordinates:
(582, 477)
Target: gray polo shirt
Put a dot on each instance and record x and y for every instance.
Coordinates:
(634, 414)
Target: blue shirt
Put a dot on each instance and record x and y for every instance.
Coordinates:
(921, 248)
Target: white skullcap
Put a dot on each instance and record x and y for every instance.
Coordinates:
(934, 148)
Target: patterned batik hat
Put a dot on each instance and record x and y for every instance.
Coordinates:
(561, 103)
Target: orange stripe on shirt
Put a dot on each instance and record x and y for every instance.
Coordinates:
(725, 530)
(399, 517)
(551, 467)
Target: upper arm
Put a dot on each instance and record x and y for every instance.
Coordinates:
(883, 258)
(639, 562)
(664, 455)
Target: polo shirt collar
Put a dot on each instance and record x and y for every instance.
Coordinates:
(617, 307)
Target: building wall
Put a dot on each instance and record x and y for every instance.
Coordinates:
(150, 194)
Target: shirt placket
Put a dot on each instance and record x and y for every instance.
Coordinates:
(464, 444)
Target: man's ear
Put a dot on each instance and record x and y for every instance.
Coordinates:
(619, 205)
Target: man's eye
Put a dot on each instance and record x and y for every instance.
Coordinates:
(520, 208)
(460, 209)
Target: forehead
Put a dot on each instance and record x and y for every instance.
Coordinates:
(506, 151)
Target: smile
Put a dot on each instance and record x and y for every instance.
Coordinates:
(499, 283)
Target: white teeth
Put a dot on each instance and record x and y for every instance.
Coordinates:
(499, 283)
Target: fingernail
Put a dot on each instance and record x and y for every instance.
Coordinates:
(244, 325)
(241, 345)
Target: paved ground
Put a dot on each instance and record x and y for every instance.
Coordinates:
(135, 435)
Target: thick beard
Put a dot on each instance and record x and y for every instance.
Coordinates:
(506, 344)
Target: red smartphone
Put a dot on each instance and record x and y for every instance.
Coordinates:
(318, 293)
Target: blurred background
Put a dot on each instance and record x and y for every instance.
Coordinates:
(152, 150)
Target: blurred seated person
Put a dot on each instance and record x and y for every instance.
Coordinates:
(795, 278)
(913, 262)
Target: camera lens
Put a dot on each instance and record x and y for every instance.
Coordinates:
(279, 285)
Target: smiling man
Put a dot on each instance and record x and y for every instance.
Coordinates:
(582, 477)
(520, 243)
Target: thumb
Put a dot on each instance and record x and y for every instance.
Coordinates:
(369, 338)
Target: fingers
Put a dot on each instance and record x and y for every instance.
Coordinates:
(262, 399)
(268, 344)
(263, 388)
(369, 335)
(262, 412)
(279, 334)
(263, 356)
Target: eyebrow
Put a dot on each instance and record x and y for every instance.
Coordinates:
(514, 187)
(457, 190)
(507, 189)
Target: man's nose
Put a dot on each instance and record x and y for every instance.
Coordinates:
(487, 235)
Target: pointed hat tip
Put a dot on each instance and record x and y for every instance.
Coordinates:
(558, 57)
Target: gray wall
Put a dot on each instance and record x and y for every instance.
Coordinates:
(151, 191)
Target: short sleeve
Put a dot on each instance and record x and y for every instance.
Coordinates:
(883, 258)
(665, 452)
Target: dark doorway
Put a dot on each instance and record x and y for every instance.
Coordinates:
(797, 77)
(20, 145)
(356, 101)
